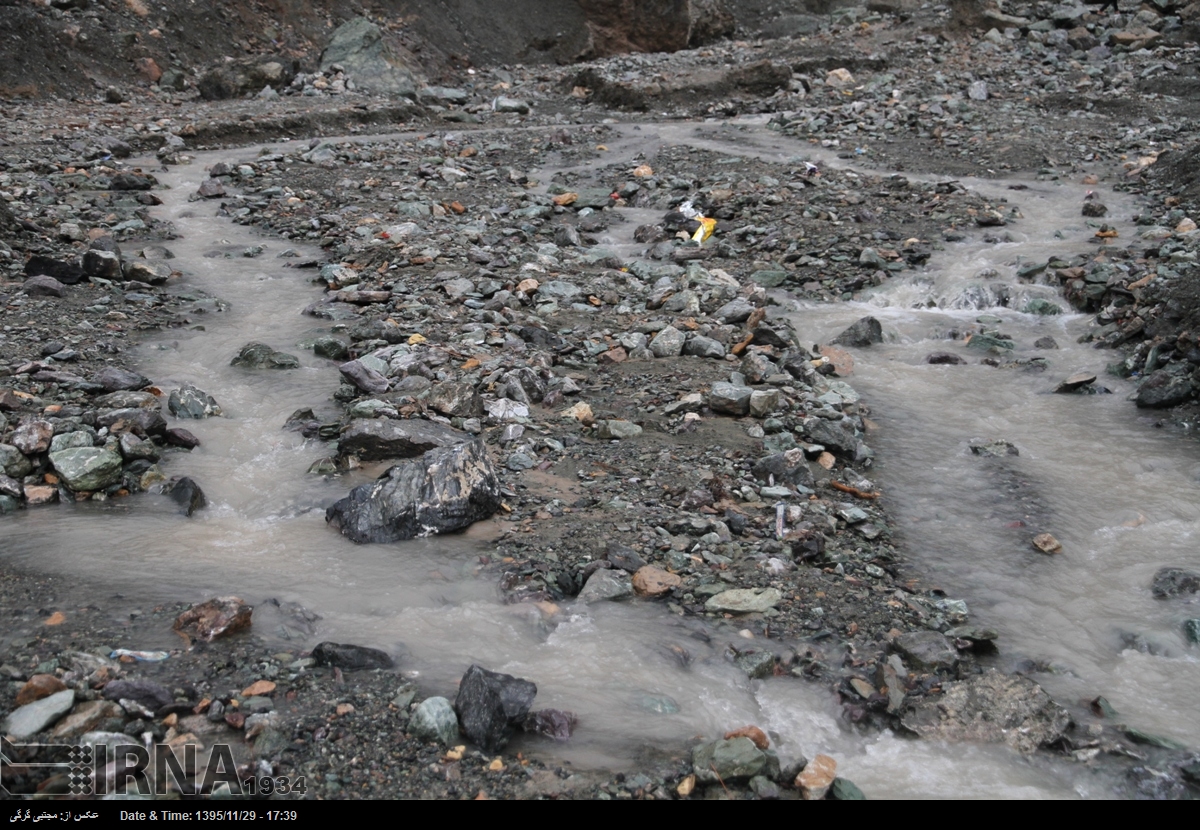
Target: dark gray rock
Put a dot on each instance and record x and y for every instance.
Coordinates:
(350, 657)
(490, 705)
(839, 441)
(704, 347)
(606, 584)
(1174, 582)
(153, 696)
(134, 448)
(623, 557)
(120, 380)
(43, 286)
(179, 437)
(151, 273)
(668, 342)
(262, 356)
(863, 333)
(375, 439)
(331, 347)
(233, 79)
(787, 468)
(364, 377)
(446, 490)
(455, 400)
(105, 264)
(553, 723)
(188, 495)
(525, 385)
(944, 358)
(132, 181)
(1163, 389)
(993, 449)
(68, 273)
(929, 650)
(190, 402)
(149, 421)
(729, 399)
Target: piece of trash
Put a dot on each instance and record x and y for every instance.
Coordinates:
(140, 656)
(705, 230)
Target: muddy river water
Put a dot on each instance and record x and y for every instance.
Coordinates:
(1119, 495)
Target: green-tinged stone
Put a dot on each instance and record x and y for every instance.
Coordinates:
(659, 704)
(434, 720)
(84, 469)
(769, 279)
(732, 759)
(845, 790)
(1043, 307)
(1150, 739)
(990, 342)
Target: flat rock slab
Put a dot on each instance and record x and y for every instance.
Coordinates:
(744, 600)
(991, 708)
(375, 439)
(928, 650)
(863, 333)
(29, 720)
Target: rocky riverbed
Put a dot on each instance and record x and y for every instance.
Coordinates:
(504, 296)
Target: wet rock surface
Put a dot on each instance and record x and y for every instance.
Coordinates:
(488, 295)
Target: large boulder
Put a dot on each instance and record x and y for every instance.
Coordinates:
(490, 705)
(863, 333)
(374, 439)
(446, 490)
(358, 47)
(84, 469)
(619, 26)
(1163, 389)
(234, 79)
(991, 708)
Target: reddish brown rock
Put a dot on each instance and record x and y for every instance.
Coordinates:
(816, 779)
(149, 69)
(753, 733)
(650, 581)
(38, 687)
(216, 618)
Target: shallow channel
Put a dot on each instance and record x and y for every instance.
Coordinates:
(1094, 465)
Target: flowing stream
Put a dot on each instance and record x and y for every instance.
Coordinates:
(1119, 496)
